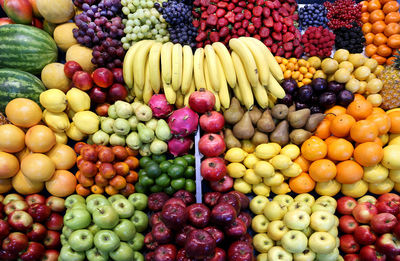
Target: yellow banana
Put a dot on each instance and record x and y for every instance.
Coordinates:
(237, 93)
(139, 63)
(147, 90)
(166, 62)
(261, 60)
(244, 85)
(154, 67)
(272, 63)
(198, 69)
(187, 71)
(179, 99)
(138, 92)
(271, 101)
(275, 88)
(170, 94)
(217, 105)
(226, 61)
(176, 66)
(223, 93)
(127, 68)
(260, 93)
(247, 60)
(191, 90)
(212, 67)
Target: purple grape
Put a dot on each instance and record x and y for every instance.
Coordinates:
(289, 85)
(287, 100)
(319, 84)
(316, 109)
(327, 99)
(335, 87)
(305, 93)
(345, 97)
(300, 105)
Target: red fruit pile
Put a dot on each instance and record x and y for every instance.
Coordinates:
(269, 21)
(105, 169)
(184, 230)
(343, 13)
(318, 41)
(30, 227)
(370, 227)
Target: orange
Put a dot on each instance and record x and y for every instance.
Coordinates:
(392, 17)
(378, 110)
(366, 28)
(384, 50)
(349, 172)
(376, 15)
(303, 163)
(334, 111)
(340, 150)
(360, 109)
(394, 41)
(314, 148)
(322, 130)
(369, 38)
(368, 154)
(382, 121)
(330, 139)
(379, 39)
(341, 125)
(364, 131)
(365, 17)
(378, 141)
(322, 170)
(303, 183)
(374, 5)
(381, 60)
(391, 6)
(391, 29)
(378, 27)
(364, 6)
(395, 122)
(370, 49)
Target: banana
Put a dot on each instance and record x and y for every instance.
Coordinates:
(176, 66)
(191, 90)
(237, 93)
(272, 63)
(179, 99)
(138, 92)
(226, 61)
(261, 95)
(147, 90)
(127, 69)
(139, 63)
(244, 85)
(198, 69)
(223, 93)
(275, 88)
(271, 101)
(166, 62)
(260, 57)
(170, 94)
(154, 67)
(217, 105)
(187, 70)
(246, 59)
(213, 71)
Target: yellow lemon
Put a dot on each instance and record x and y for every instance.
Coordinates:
(395, 141)
(291, 150)
(391, 157)
(241, 186)
(251, 177)
(250, 161)
(355, 190)
(394, 175)
(328, 188)
(264, 169)
(236, 170)
(267, 150)
(261, 189)
(392, 136)
(275, 180)
(281, 189)
(235, 155)
(375, 174)
(281, 162)
(381, 188)
(293, 171)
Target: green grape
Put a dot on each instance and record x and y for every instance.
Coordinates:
(163, 25)
(144, 28)
(154, 31)
(162, 20)
(125, 10)
(149, 35)
(148, 22)
(137, 22)
(162, 31)
(131, 16)
(140, 35)
(157, 26)
(143, 3)
(165, 38)
(134, 37)
(124, 39)
(124, 21)
(136, 29)
(136, 2)
(149, 4)
(124, 2)
(130, 23)
(126, 46)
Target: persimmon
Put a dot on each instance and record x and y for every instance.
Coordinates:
(368, 154)
(391, 6)
(382, 121)
(322, 130)
(380, 59)
(384, 50)
(376, 16)
(360, 109)
(392, 17)
(391, 29)
(366, 28)
(303, 183)
(349, 172)
(340, 150)
(341, 125)
(380, 39)
(334, 111)
(378, 27)
(322, 170)
(364, 131)
(371, 50)
(369, 38)
(365, 17)
(394, 41)
(330, 139)
(395, 122)
(374, 5)
(314, 149)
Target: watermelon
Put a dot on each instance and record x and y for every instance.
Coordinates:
(18, 84)
(26, 48)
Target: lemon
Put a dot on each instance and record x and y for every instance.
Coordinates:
(264, 169)
(74, 133)
(391, 157)
(328, 188)
(61, 137)
(381, 188)
(395, 141)
(394, 175)
(355, 190)
(261, 189)
(235, 155)
(250, 161)
(290, 150)
(248, 146)
(267, 150)
(57, 121)
(241, 186)
(275, 180)
(78, 100)
(375, 174)
(281, 162)
(86, 121)
(53, 100)
(251, 178)
(293, 171)
(236, 170)
(281, 189)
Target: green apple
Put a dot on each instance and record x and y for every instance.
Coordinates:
(63, 240)
(367, 198)
(66, 231)
(105, 217)
(307, 231)
(123, 207)
(276, 230)
(306, 255)
(71, 200)
(81, 240)
(321, 242)
(262, 243)
(68, 254)
(336, 221)
(137, 242)
(125, 230)
(294, 241)
(334, 231)
(332, 256)
(78, 205)
(106, 240)
(327, 199)
(95, 203)
(260, 224)
(322, 221)
(274, 210)
(278, 253)
(94, 229)
(257, 204)
(296, 219)
(77, 219)
(262, 256)
(139, 200)
(323, 206)
(137, 256)
(306, 198)
(300, 205)
(123, 253)
(95, 255)
(285, 200)
(115, 197)
(94, 196)
(140, 220)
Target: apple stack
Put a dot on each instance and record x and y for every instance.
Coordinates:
(264, 170)
(103, 229)
(301, 228)
(370, 227)
(30, 228)
(105, 169)
(184, 230)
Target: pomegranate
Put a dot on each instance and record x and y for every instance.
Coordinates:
(212, 121)
(223, 185)
(160, 106)
(213, 169)
(202, 101)
(183, 122)
(211, 145)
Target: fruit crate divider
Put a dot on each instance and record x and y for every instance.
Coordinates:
(198, 156)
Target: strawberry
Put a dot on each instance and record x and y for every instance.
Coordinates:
(296, 42)
(268, 22)
(247, 14)
(204, 15)
(280, 51)
(287, 37)
(288, 46)
(239, 17)
(207, 42)
(266, 12)
(277, 4)
(222, 22)
(230, 16)
(283, 12)
(250, 6)
(195, 14)
(237, 9)
(256, 21)
(199, 44)
(251, 1)
(257, 37)
(264, 32)
(274, 48)
(269, 4)
(277, 27)
(245, 23)
(277, 36)
(241, 32)
(288, 21)
(203, 25)
(268, 41)
(201, 36)
(220, 13)
(196, 23)
(288, 54)
(242, 4)
(205, 3)
(251, 28)
(214, 37)
(237, 25)
(284, 28)
(224, 31)
(211, 9)
(196, 2)
(222, 4)
(235, 1)
(260, 2)
(275, 16)
(230, 6)
(257, 11)
(212, 20)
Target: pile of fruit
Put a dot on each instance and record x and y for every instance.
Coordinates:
(296, 69)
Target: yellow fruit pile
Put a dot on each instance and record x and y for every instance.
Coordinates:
(299, 70)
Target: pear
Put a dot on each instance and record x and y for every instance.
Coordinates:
(143, 113)
(144, 150)
(313, 121)
(230, 139)
(298, 136)
(259, 138)
(117, 140)
(133, 141)
(152, 124)
(255, 115)
(266, 123)
(163, 132)
(244, 128)
(234, 113)
(280, 111)
(281, 133)
(146, 134)
(297, 119)
(292, 108)
(158, 147)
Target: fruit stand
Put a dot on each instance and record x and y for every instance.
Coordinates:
(199, 130)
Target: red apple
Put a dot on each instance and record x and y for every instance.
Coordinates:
(198, 215)
(246, 218)
(396, 231)
(118, 75)
(240, 251)
(20, 11)
(82, 80)
(217, 234)
(102, 109)
(55, 222)
(351, 257)
(211, 198)
(175, 201)
(15, 205)
(187, 197)
(348, 244)
(181, 235)
(165, 253)
(388, 244)
(15, 242)
(7, 255)
(98, 95)
(56, 204)
(235, 229)
(364, 212)
(35, 198)
(156, 201)
(37, 233)
(383, 223)
(50, 255)
(35, 251)
(232, 200)
(5, 20)
(155, 219)
(11, 197)
(244, 200)
(345, 205)
(369, 253)
(364, 236)
(70, 68)
(117, 92)
(4, 229)
(388, 206)
(39, 212)
(200, 244)
(52, 239)
(347, 224)
(223, 185)
(219, 255)
(150, 242)
(20, 220)
(389, 197)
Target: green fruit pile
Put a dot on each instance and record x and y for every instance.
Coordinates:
(104, 229)
(158, 174)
